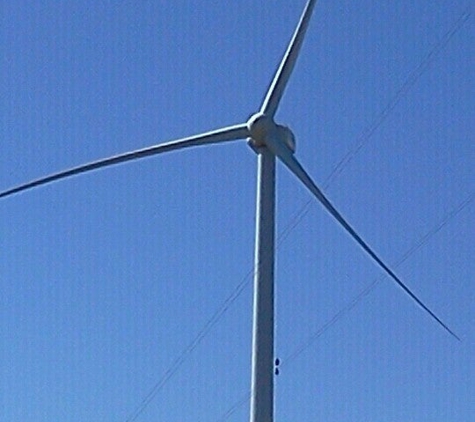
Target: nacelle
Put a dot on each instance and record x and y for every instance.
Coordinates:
(287, 136)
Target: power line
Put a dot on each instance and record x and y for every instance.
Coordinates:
(337, 170)
(370, 287)
(358, 298)
(191, 347)
(232, 410)
(369, 131)
(393, 102)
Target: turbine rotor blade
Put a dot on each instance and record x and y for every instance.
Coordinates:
(230, 133)
(295, 167)
(278, 84)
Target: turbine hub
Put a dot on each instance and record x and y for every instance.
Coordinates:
(260, 126)
(263, 130)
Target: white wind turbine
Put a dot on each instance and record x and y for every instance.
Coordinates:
(269, 140)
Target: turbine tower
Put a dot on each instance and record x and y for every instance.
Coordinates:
(270, 141)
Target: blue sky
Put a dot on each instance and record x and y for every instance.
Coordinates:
(109, 277)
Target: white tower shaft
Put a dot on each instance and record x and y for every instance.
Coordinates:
(262, 385)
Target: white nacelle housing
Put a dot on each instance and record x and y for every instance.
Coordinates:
(287, 136)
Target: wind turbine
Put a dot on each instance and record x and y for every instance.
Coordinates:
(269, 140)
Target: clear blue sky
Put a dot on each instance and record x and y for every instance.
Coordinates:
(108, 277)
